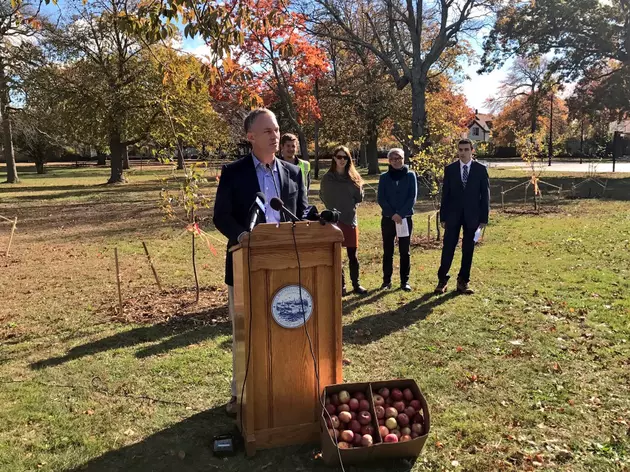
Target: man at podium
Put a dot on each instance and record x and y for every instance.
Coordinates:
(240, 181)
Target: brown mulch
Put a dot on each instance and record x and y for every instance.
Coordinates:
(173, 306)
(424, 243)
(529, 210)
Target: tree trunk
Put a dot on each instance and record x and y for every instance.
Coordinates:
(115, 147)
(125, 156)
(418, 107)
(180, 154)
(39, 166)
(363, 155)
(7, 132)
(101, 158)
(372, 151)
(316, 138)
(303, 145)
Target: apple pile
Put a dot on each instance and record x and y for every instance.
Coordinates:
(399, 415)
(349, 419)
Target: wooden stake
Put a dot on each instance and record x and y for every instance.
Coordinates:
(120, 304)
(428, 226)
(11, 238)
(502, 199)
(157, 279)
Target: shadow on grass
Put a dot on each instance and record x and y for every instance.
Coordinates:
(380, 325)
(172, 336)
(187, 447)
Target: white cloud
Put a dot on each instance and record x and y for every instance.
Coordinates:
(481, 87)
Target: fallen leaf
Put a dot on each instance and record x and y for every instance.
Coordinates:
(346, 362)
(89, 412)
(455, 463)
(459, 349)
(181, 454)
(439, 445)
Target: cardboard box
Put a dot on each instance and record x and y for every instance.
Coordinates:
(380, 450)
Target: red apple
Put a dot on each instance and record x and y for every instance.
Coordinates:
(332, 422)
(391, 438)
(405, 438)
(410, 411)
(418, 418)
(396, 432)
(384, 392)
(347, 435)
(389, 401)
(367, 429)
(400, 406)
(334, 399)
(414, 435)
(405, 430)
(378, 400)
(334, 433)
(342, 407)
(417, 428)
(343, 445)
(357, 440)
(396, 394)
(354, 426)
(383, 431)
(366, 440)
(415, 404)
(331, 409)
(391, 423)
(381, 422)
(345, 417)
(344, 396)
(359, 395)
(364, 405)
(353, 414)
(391, 412)
(327, 400)
(407, 394)
(364, 417)
(353, 403)
(403, 419)
(380, 412)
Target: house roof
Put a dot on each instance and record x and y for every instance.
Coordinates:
(483, 120)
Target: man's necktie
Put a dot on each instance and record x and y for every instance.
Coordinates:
(465, 176)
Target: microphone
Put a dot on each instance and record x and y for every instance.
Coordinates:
(278, 205)
(329, 216)
(275, 186)
(311, 213)
(257, 208)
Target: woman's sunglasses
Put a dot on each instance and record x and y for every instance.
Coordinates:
(340, 156)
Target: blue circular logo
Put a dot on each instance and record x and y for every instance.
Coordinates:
(288, 309)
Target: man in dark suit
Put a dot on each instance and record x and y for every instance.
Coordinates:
(238, 184)
(465, 203)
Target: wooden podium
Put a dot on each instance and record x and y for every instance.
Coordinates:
(281, 403)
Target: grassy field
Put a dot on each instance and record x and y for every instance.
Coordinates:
(531, 372)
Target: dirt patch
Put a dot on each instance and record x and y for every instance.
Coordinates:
(529, 210)
(424, 243)
(172, 306)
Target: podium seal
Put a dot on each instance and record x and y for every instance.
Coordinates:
(285, 306)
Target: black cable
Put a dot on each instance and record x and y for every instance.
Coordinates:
(310, 343)
(249, 334)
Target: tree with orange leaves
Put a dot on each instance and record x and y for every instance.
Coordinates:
(277, 65)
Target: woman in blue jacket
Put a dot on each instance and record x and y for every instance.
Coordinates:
(397, 192)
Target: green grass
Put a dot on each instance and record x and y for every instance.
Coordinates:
(536, 363)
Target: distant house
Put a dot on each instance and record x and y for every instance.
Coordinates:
(480, 128)
(623, 126)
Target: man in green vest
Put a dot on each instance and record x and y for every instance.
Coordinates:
(288, 148)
